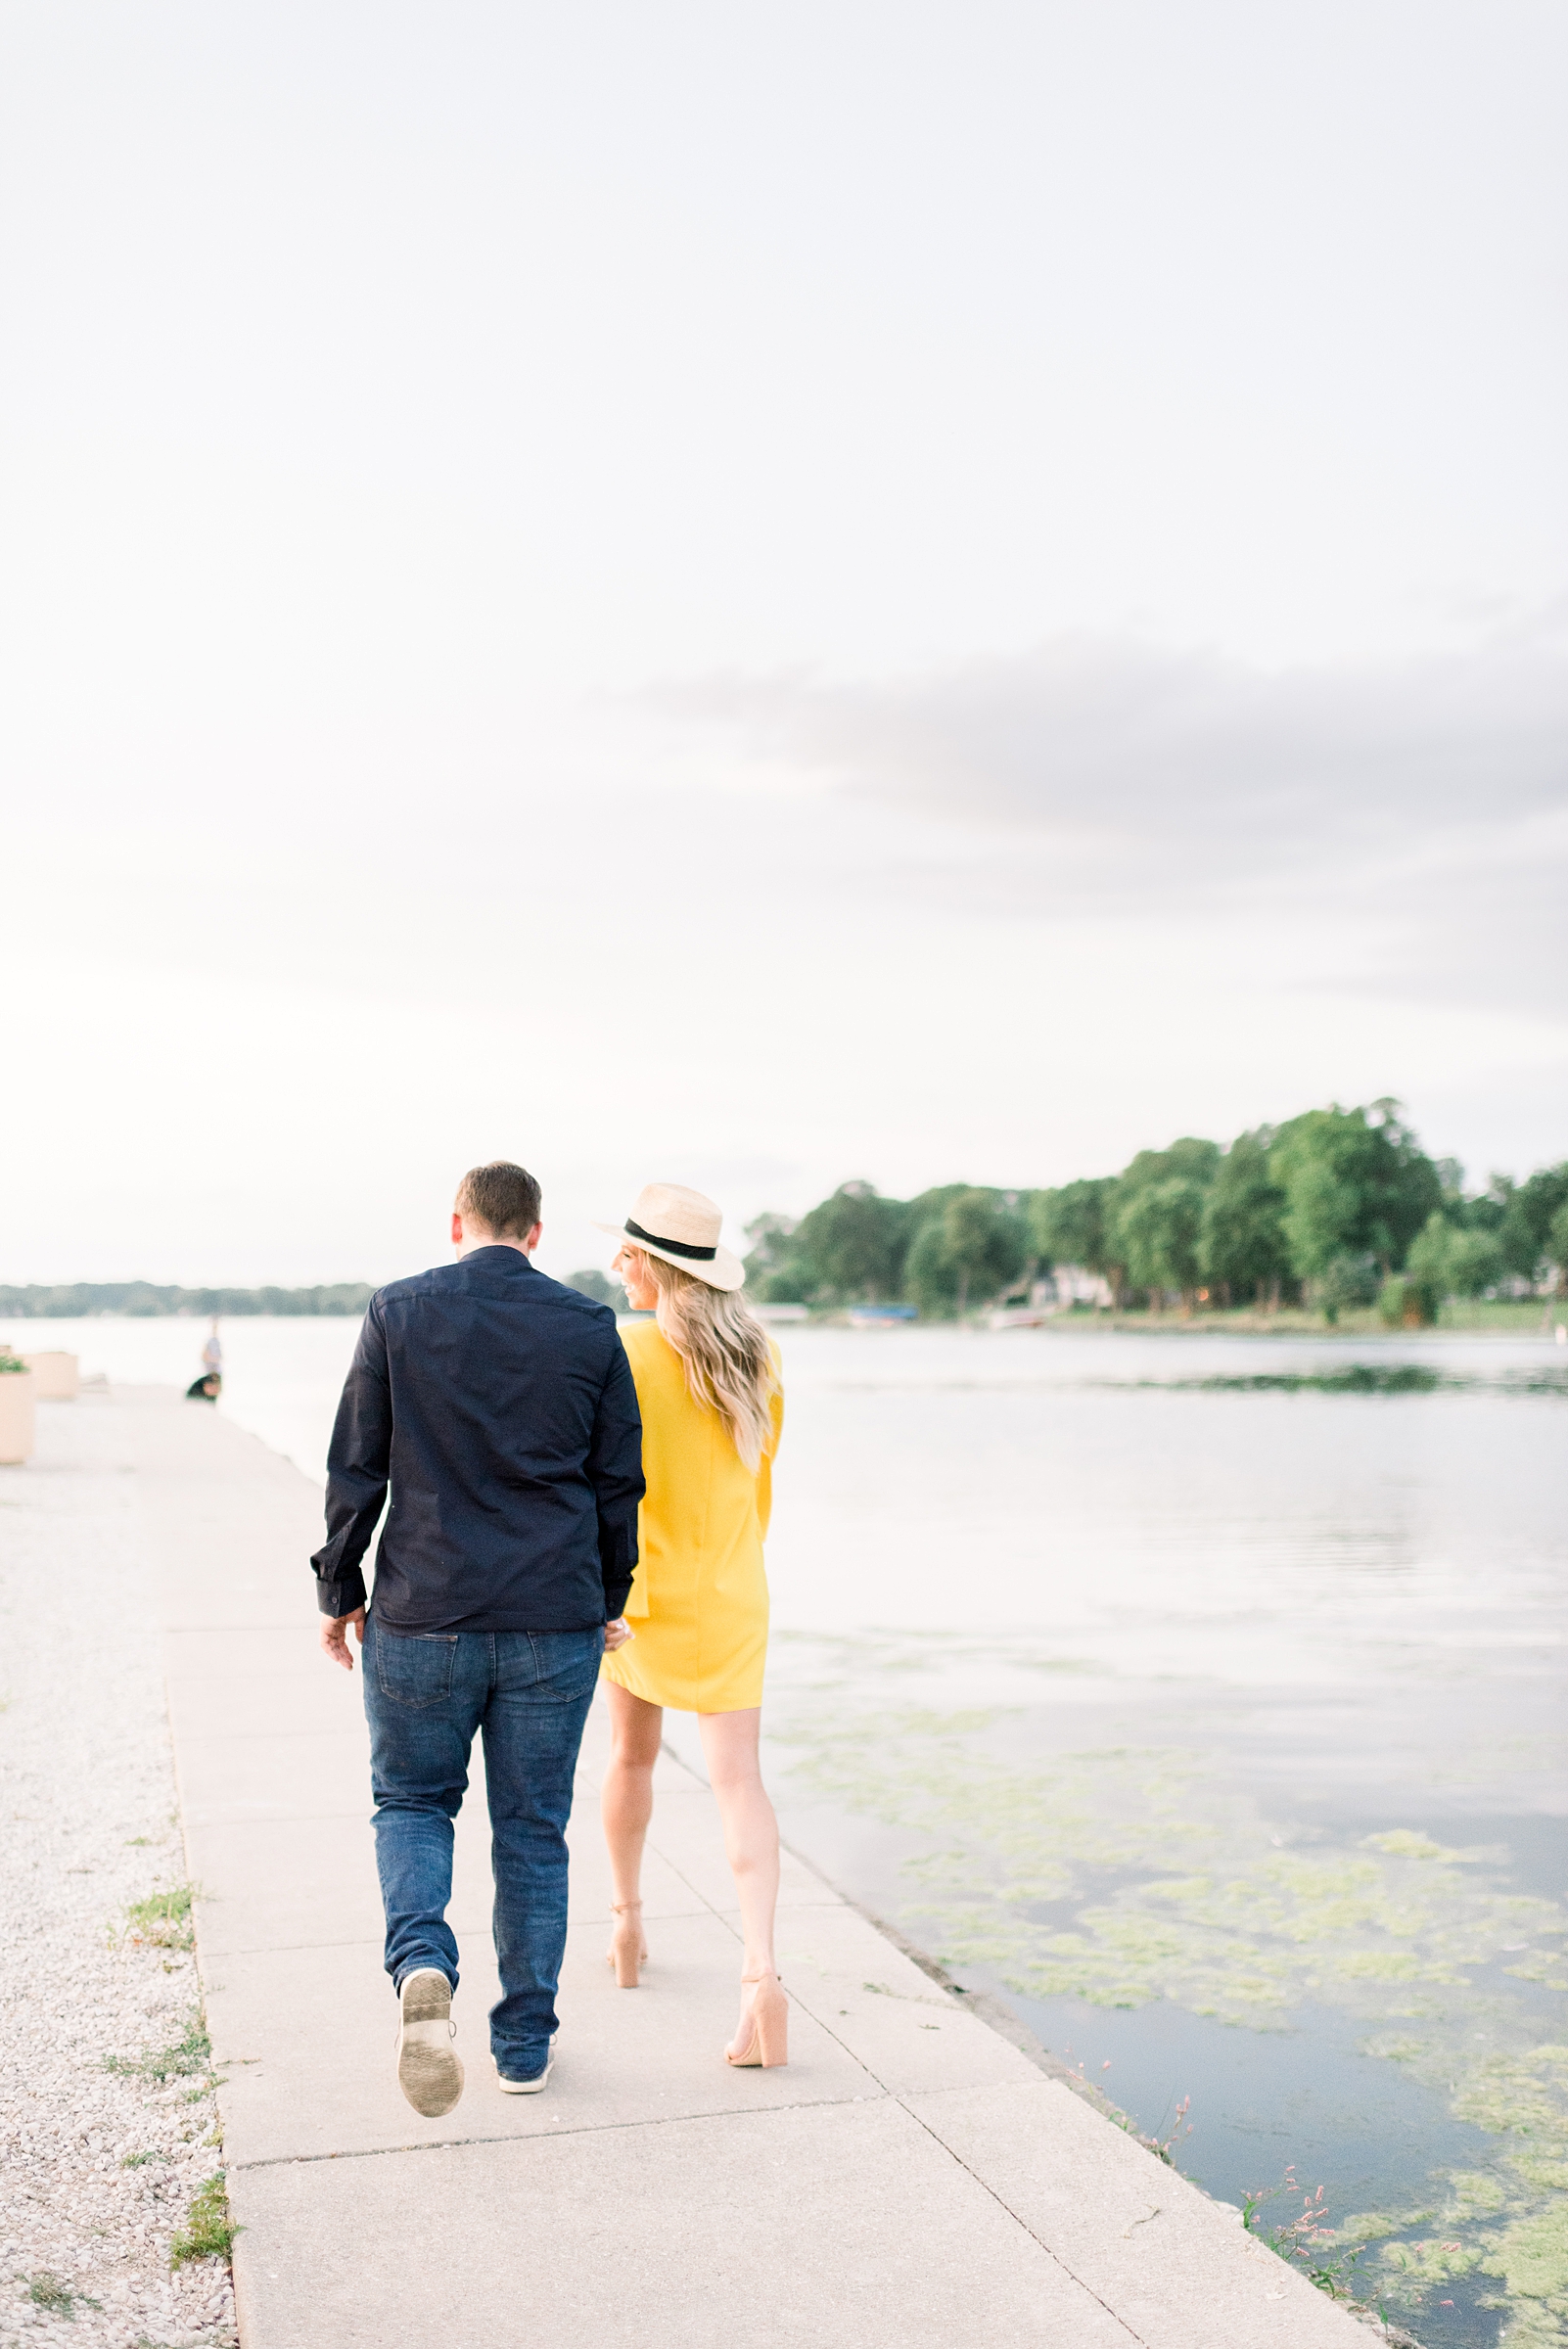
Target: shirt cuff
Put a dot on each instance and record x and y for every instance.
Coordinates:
(616, 1596)
(341, 1597)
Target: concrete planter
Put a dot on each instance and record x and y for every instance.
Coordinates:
(16, 1417)
(54, 1375)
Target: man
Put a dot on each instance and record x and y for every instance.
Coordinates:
(500, 1408)
(209, 1385)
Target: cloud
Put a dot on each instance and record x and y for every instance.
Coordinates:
(1420, 807)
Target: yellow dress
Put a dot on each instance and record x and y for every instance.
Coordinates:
(699, 1599)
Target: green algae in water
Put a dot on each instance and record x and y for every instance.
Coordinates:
(1126, 1874)
(1359, 1378)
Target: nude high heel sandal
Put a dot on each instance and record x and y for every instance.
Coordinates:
(767, 2040)
(627, 1950)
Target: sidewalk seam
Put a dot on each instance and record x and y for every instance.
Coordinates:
(1000, 2200)
(533, 2137)
(935, 1973)
(1018, 2220)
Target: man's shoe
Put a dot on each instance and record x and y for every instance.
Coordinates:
(527, 2088)
(430, 2072)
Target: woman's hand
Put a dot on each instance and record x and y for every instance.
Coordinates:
(617, 1634)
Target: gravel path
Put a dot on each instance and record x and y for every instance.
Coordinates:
(108, 2119)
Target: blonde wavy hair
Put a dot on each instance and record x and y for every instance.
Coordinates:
(729, 1362)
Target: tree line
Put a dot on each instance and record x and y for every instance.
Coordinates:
(81, 1300)
(1336, 1208)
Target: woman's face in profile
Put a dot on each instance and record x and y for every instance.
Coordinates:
(630, 1268)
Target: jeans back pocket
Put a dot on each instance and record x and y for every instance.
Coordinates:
(415, 1667)
(565, 1663)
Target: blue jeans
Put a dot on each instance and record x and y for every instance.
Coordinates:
(426, 1694)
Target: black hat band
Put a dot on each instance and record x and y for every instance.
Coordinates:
(698, 1256)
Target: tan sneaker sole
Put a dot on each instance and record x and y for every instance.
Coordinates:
(430, 2071)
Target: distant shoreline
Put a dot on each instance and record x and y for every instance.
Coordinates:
(1459, 1317)
(1525, 1317)
(148, 1301)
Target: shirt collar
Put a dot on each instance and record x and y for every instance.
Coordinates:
(497, 1256)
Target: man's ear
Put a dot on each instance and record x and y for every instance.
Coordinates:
(533, 1240)
(457, 1230)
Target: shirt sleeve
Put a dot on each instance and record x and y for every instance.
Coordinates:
(615, 1471)
(357, 1466)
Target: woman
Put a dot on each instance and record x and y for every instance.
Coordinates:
(712, 1407)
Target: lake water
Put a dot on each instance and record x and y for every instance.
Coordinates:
(1205, 1698)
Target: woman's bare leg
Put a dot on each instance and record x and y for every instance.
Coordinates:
(751, 1830)
(625, 1800)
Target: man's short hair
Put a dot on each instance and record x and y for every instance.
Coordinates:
(501, 1198)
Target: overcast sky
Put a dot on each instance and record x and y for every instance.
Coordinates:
(753, 596)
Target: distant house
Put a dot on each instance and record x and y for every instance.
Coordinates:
(1069, 1285)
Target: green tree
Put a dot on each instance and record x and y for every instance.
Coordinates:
(1403, 1304)
(930, 1277)
(1457, 1253)
(1528, 1212)
(1068, 1225)
(1450, 1185)
(776, 1270)
(857, 1242)
(1189, 1156)
(1189, 1159)
(972, 1245)
(985, 1241)
(602, 1287)
(1159, 1234)
(1243, 1251)
(1475, 1263)
(849, 1247)
(1557, 1246)
(1447, 1261)
(1357, 1184)
(1483, 1213)
(1344, 1283)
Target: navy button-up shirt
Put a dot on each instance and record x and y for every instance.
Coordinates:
(499, 1407)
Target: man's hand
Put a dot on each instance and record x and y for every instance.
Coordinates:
(617, 1634)
(335, 1636)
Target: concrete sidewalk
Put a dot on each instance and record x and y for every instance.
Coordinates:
(910, 2179)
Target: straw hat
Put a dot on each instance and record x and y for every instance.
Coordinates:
(681, 1226)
